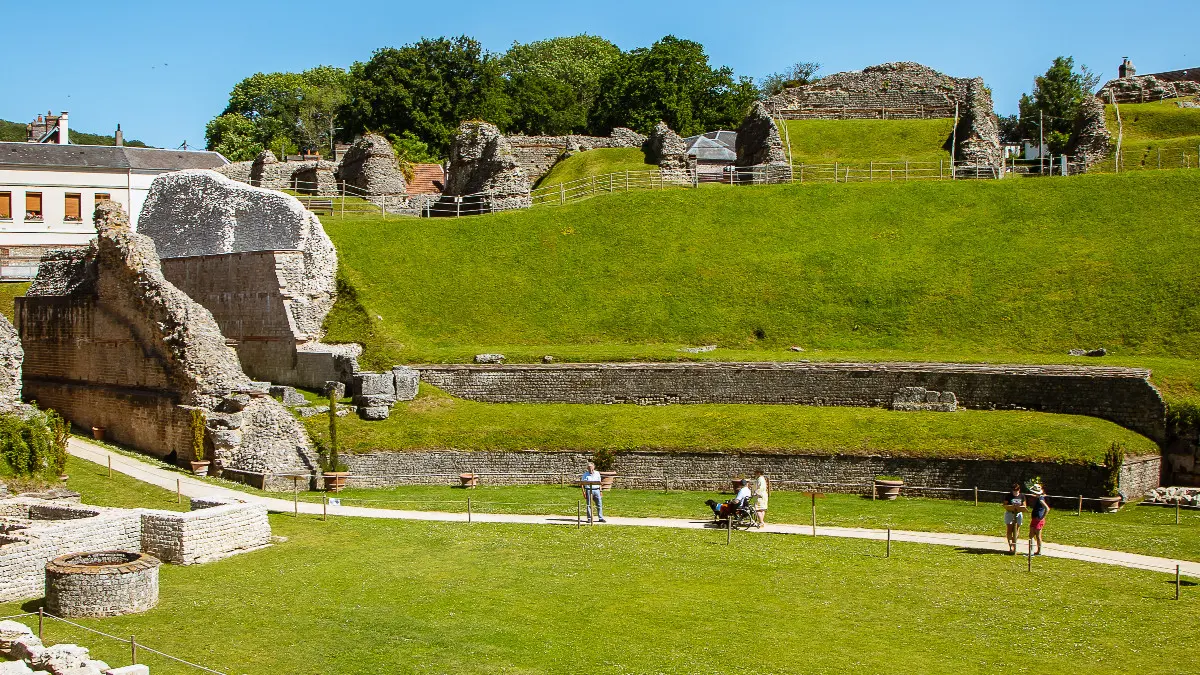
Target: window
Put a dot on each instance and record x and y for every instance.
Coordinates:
(5, 206)
(101, 196)
(33, 206)
(71, 208)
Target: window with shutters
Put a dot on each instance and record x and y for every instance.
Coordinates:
(101, 196)
(72, 208)
(33, 206)
(5, 206)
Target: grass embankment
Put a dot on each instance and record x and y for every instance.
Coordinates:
(1159, 134)
(596, 162)
(358, 596)
(437, 420)
(8, 291)
(1017, 271)
(864, 141)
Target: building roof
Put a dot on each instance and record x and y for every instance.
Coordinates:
(48, 155)
(428, 179)
(704, 148)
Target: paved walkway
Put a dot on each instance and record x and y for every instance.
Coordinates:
(191, 487)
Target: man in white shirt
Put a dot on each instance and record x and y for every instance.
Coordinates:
(591, 492)
(726, 509)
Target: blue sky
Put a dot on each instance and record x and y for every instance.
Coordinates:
(163, 69)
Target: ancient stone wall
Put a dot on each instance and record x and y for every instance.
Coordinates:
(11, 357)
(1152, 87)
(370, 166)
(483, 162)
(536, 155)
(713, 471)
(211, 531)
(1121, 395)
(101, 583)
(665, 148)
(1090, 139)
(315, 177)
(109, 342)
(758, 140)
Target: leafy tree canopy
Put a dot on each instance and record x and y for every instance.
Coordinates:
(552, 84)
(233, 136)
(796, 75)
(1057, 97)
(286, 110)
(670, 81)
(426, 88)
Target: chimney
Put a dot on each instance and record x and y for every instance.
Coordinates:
(64, 137)
(119, 138)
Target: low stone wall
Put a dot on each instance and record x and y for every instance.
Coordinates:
(206, 534)
(1121, 395)
(101, 583)
(713, 471)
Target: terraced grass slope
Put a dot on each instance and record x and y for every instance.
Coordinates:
(863, 141)
(596, 162)
(1159, 134)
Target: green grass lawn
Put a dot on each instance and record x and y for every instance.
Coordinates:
(437, 420)
(983, 271)
(863, 141)
(8, 291)
(362, 596)
(1152, 130)
(596, 162)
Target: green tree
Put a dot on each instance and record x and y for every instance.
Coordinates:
(670, 81)
(284, 109)
(233, 136)
(552, 84)
(1056, 99)
(796, 75)
(426, 88)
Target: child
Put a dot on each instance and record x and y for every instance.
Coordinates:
(1038, 508)
(1013, 519)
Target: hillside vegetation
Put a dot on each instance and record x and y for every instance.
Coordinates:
(15, 131)
(863, 141)
(1152, 130)
(596, 162)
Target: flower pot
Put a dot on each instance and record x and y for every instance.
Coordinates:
(1110, 504)
(335, 480)
(888, 489)
(606, 479)
(98, 433)
(200, 468)
(469, 480)
(63, 477)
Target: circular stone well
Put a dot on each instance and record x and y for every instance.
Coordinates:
(101, 583)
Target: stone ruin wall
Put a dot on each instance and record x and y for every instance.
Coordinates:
(109, 342)
(213, 530)
(903, 90)
(536, 155)
(713, 471)
(1121, 395)
(1152, 87)
(261, 263)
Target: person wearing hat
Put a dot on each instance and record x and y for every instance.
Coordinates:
(1038, 508)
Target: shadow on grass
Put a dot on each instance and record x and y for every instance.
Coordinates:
(980, 551)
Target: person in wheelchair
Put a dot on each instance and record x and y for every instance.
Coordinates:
(740, 502)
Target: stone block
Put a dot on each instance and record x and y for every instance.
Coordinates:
(15, 668)
(338, 388)
(406, 382)
(374, 401)
(489, 358)
(288, 395)
(10, 632)
(312, 410)
(375, 413)
(374, 384)
(138, 669)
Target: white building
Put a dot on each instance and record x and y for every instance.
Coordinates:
(48, 191)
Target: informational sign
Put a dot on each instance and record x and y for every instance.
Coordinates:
(335, 501)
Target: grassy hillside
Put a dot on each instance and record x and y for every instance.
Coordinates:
(1154, 128)
(8, 291)
(862, 141)
(15, 131)
(596, 163)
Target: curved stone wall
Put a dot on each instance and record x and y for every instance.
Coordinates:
(101, 583)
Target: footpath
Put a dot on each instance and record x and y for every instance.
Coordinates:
(192, 487)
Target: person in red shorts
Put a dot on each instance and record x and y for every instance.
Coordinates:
(1038, 508)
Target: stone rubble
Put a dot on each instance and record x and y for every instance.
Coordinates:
(1090, 139)
(370, 165)
(920, 398)
(665, 148)
(489, 358)
(483, 163)
(758, 140)
(1186, 496)
(11, 358)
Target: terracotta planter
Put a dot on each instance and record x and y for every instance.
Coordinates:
(200, 468)
(98, 433)
(606, 479)
(335, 480)
(469, 480)
(1110, 504)
(888, 489)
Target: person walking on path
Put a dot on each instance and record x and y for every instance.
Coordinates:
(762, 490)
(1038, 508)
(591, 492)
(1014, 504)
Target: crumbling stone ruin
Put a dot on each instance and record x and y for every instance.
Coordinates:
(665, 148)
(1133, 88)
(370, 165)
(110, 343)
(261, 263)
(1090, 139)
(920, 398)
(759, 145)
(11, 356)
(483, 163)
(903, 90)
(309, 177)
(536, 155)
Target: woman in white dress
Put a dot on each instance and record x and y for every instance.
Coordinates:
(762, 489)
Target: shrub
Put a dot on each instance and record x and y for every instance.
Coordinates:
(26, 442)
(604, 459)
(198, 432)
(1112, 467)
(60, 435)
(329, 454)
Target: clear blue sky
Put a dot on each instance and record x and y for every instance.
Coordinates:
(163, 69)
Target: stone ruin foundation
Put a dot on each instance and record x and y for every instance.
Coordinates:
(484, 175)
(109, 342)
(101, 583)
